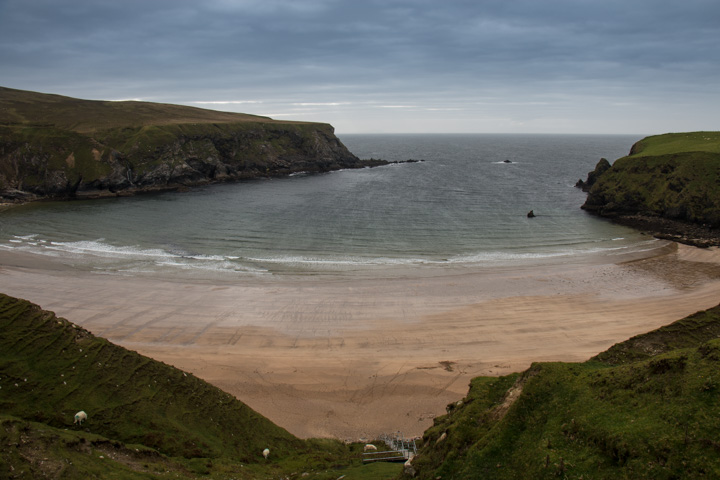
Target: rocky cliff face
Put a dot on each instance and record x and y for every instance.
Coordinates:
(602, 166)
(56, 160)
(47, 162)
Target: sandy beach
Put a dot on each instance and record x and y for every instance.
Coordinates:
(354, 357)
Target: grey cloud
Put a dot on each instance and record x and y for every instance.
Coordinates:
(439, 55)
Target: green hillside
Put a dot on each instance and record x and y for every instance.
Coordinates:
(649, 408)
(19, 107)
(673, 143)
(144, 417)
(60, 368)
(665, 179)
(59, 147)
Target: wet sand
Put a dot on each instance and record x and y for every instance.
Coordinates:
(352, 357)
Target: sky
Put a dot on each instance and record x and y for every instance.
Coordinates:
(385, 66)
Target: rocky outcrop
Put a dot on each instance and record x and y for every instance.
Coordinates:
(668, 186)
(602, 166)
(152, 147)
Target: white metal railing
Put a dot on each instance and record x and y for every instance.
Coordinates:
(400, 449)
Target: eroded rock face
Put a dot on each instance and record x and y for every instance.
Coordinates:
(50, 162)
(602, 166)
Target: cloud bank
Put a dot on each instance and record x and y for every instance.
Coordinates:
(557, 66)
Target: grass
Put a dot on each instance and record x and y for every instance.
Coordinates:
(146, 419)
(19, 107)
(688, 332)
(671, 143)
(641, 413)
(52, 368)
(33, 450)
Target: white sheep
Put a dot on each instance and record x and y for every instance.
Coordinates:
(266, 452)
(80, 417)
(370, 448)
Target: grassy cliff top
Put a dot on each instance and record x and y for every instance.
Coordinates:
(668, 184)
(672, 143)
(19, 107)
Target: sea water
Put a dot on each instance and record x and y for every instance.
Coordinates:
(464, 204)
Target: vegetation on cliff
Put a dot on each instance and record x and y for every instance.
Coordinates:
(54, 146)
(145, 418)
(668, 184)
(646, 408)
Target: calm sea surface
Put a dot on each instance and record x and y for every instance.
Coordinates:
(462, 206)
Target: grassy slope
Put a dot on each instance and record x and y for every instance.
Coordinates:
(675, 176)
(671, 143)
(647, 408)
(19, 107)
(59, 368)
(144, 417)
(34, 451)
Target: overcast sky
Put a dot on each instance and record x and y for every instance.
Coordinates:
(527, 66)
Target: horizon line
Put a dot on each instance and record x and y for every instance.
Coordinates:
(499, 133)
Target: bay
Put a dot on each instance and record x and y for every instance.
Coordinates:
(464, 205)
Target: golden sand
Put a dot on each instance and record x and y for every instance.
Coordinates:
(354, 357)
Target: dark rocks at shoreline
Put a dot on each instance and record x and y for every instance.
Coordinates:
(13, 196)
(17, 197)
(379, 162)
(695, 235)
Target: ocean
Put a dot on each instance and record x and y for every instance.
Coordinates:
(464, 205)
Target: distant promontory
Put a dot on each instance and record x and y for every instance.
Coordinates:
(668, 185)
(59, 147)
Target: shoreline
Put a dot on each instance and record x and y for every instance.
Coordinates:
(687, 233)
(354, 357)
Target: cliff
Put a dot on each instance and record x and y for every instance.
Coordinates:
(668, 185)
(61, 147)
